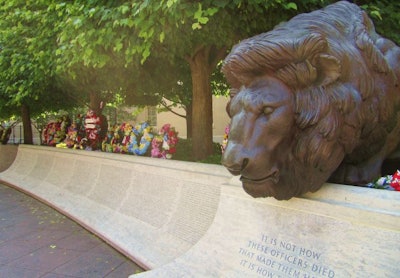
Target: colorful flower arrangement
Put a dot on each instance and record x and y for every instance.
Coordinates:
(225, 140)
(72, 139)
(83, 133)
(126, 138)
(143, 131)
(137, 140)
(164, 144)
(389, 182)
(55, 132)
(92, 128)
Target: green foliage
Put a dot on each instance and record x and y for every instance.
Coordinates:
(212, 159)
(216, 157)
(184, 152)
(27, 40)
(218, 84)
(55, 53)
(385, 15)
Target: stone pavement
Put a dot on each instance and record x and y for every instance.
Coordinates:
(37, 241)
(7, 155)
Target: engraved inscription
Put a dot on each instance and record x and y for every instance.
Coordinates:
(273, 257)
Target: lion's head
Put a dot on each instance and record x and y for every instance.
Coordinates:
(297, 101)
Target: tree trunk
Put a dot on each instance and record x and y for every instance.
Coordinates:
(202, 104)
(94, 104)
(27, 125)
(189, 122)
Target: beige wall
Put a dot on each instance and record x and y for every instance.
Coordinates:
(17, 135)
(220, 119)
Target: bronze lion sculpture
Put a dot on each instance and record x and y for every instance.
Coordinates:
(315, 99)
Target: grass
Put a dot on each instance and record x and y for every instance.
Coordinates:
(184, 152)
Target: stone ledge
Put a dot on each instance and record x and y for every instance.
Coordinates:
(152, 210)
(184, 219)
(331, 233)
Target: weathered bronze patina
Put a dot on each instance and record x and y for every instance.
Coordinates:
(316, 98)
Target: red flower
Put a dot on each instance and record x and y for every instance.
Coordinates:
(395, 183)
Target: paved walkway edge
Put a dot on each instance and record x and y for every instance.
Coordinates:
(151, 210)
(180, 219)
(78, 221)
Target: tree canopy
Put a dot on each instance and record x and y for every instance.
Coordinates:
(86, 50)
(27, 46)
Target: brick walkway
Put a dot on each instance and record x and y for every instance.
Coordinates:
(37, 241)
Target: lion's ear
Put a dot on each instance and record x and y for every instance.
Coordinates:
(329, 69)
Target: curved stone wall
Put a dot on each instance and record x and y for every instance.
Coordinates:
(152, 210)
(180, 219)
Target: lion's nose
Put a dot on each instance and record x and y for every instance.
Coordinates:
(234, 161)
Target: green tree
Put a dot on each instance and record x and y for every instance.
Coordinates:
(197, 32)
(141, 49)
(90, 60)
(201, 32)
(27, 41)
(386, 16)
(171, 83)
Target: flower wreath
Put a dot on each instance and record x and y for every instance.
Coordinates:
(92, 129)
(72, 138)
(142, 130)
(164, 144)
(389, 182)
(124, 139)
(55, 132)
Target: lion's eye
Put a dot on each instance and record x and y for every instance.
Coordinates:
(268, 110)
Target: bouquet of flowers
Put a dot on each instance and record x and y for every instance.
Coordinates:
(164, 144)
(389, 182)
(143, 131)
